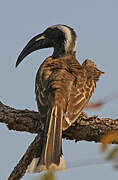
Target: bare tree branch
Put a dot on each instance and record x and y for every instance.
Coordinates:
(85, 128)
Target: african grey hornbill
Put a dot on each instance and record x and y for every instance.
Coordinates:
(63, 87)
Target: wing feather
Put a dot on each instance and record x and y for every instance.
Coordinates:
(79, 97)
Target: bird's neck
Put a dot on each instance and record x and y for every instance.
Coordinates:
(60, 51)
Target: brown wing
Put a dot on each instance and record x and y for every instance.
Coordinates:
(80, 94)
(42, 90)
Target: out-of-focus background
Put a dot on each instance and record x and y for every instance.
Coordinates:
(96, 24)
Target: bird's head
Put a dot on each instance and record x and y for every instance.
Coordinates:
(61, 37)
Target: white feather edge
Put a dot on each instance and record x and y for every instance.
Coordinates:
(33, 165)
(53, 167)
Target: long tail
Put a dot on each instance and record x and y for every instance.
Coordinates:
(50, 155)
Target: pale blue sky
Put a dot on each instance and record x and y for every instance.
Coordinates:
(96, 24)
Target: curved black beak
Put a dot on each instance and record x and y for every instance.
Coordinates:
(37, 42)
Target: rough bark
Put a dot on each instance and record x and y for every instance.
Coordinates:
(85, 128)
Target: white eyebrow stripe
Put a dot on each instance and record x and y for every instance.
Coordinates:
(68, 36)
(67, 33)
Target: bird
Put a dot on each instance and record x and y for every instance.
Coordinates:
(63, 88)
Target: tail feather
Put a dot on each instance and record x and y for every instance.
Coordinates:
(49, 152)
(51, 157)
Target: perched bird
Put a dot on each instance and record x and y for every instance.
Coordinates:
(63, 87)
